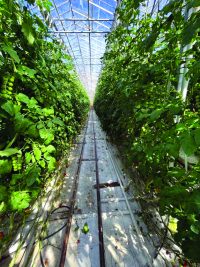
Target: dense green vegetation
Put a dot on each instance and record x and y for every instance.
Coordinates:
(138, 104)
(42, 104)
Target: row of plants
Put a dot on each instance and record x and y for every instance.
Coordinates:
(139, 106)
(42, 104)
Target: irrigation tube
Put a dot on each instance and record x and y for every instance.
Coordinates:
(139, 233)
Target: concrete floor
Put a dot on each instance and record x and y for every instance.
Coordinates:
(124, 233)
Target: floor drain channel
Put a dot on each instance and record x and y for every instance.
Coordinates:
(104, 185)
(88, 159)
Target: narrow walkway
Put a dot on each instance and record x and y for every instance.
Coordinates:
(93, 222)
(123, 242)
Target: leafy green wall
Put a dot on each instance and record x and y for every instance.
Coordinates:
(137, 102)
(42, 105)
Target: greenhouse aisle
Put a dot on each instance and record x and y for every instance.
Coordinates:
(103, 227)
(122, 246)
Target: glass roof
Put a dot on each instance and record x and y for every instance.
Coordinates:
(82, 26)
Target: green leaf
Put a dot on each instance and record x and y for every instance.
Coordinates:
(40, 125)
(21, 124)
(32, 175)
(173, 149)
(197, 136)
(27, 30)
(22, 98)
(181, 127)
(85, 229)
(15, 178)
(35, 192)
(136, 3)
(20, 200)
(11, 108)
(156, 114)
(58, 121)
(188, 144)
(50, 149)
(195, 228)
(169, 7)
(8, 49)
(9, 152)
(48, 111)
(32, 131)
(44, 4)
(28, 157)
(33, 104)
(23, 70)
(179, 173)
(174, 108)
(5, 166)
(151, 39)
(46, 135)
(141, 116)
(3, 207)
(51, 163)
(42, 163)
(3, 192)
(37, 152)
(191, 28)
(173, 224)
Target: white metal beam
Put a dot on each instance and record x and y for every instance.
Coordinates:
(105, 10)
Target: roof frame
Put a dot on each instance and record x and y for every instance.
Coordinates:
(82, 26)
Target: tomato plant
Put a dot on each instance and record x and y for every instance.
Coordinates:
(137, 102)
(42, 104)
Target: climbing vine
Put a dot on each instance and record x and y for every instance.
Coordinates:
(139, 106)
(42, 104)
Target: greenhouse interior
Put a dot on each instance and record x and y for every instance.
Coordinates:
(99, 133)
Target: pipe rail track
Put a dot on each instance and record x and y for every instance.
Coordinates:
(73, 200)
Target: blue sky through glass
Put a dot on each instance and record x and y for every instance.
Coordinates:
(82, 25)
